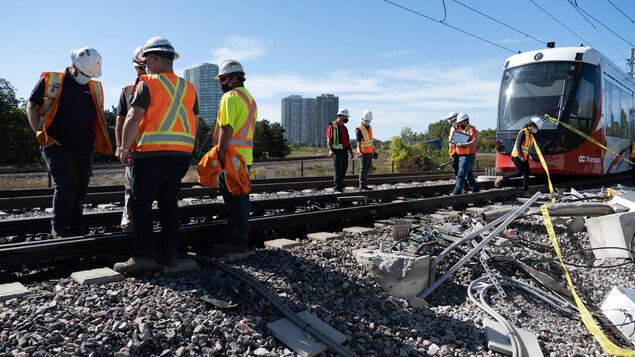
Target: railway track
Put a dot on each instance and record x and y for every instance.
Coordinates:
(290, 219)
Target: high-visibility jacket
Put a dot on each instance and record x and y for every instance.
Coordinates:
(337, 140)
(241, 117)
(128, 91)
(452, 149)
(473, 133)
(235, 171)
(367, 139)
(525, 146)
(169, 122)
(633, 150)
(52, 90)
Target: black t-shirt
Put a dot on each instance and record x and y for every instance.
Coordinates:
(74, 123)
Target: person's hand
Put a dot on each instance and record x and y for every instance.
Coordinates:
(54, 142)
(359, 154)
(521, 158)
(331, 153)
(125, 157)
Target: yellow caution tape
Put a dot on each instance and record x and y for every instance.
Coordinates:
(607, 345)
(544, 167)
(575, 130)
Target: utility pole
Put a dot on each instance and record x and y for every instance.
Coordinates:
(631, 62)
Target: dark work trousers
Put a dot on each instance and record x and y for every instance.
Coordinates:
(522, 169)
(364, 166)
(340, 165)
(157, 178)
(71, 174)
(238, 208)
(466, 166)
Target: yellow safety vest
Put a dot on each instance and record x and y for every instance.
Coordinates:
(367, 139)
(526, 144)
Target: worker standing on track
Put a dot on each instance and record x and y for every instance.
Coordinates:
(454, 156)
(163, 120)
(521, 154)
(122, 110)
(66, 111)
(234, 132)
(337, 141)
(467, 155)
(365, 147)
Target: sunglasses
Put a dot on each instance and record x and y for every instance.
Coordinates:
(223, 80)
(140, 67)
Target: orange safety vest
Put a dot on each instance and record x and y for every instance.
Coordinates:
(452, 149)
(633, 150)
(235, 170)
(52, 89)
(242, 138)
(526, 144)
(169, 122)
(467, 150)
(367, 139)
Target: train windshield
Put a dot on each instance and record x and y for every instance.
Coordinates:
(537, 89)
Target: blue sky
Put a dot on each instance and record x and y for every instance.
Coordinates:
(410, 71)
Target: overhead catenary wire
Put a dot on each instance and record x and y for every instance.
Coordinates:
(450, 26)
(618, 9)
(577, 7)
(579, 10)
(556, 20)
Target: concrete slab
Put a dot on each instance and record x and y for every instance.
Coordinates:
(299, 341)
(183, 264)
(323, 236)
(13, 290)
(475, 210)
(497, 340)
(96, 276)
(281, 243)
(613, 230)
(626, 199)
(107, 206)
(359, 230)
(381, 225)
(619, 307)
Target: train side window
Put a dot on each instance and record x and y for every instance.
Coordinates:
(585, 105)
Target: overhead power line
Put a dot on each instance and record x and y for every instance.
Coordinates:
(579, 10)
(450, 26)
(599, 22)
(508, 26)
(618, 9)
(563, 25)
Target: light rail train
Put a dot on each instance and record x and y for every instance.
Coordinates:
(578, 86)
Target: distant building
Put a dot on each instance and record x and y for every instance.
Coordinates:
(327, 107)
(207, 89)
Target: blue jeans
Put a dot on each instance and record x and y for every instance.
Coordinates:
(340, 165)
(238, 208)
(466, 165)
(71, 174)
(157, 178)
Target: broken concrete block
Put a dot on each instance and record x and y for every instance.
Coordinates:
(359, 230)
(322, 236)
(12, 290)
(613, 230)
(281, 243)
(96, 276)
(400, 274)
(498, 341)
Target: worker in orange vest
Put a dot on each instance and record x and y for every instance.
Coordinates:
(467, 154)
(365, 147)
(162, 122)
(66, 112)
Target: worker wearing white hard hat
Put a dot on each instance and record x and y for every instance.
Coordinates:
(465, 139)
(65, 111)
(122, 110)
(338, 143)
(454, 157)
(365, 148)
(521, 153)
(157, 142)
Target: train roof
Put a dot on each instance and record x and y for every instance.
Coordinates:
(578, 54)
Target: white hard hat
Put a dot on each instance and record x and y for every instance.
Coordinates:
(367, 115)
(137, 55)
(159, 44)
(462, 117)
(343, 112)
(451, 118)
(538, 121)
(229, 66)
(88, 60)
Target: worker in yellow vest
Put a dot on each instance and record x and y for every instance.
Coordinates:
(521, 154)
(234, 128)
(365, 147)
(66, 112)
(162, 121)
(122, 110)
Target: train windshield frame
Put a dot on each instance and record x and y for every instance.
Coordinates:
(569, 90)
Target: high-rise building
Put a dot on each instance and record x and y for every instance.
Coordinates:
(292, 118)
(326, 112)
(207, 89)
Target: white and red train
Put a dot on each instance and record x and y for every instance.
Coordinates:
(578, 86)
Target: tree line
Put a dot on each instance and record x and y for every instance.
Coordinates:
(20, 146)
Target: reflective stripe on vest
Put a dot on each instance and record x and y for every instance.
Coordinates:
(452, 149)
(526, 144)
(337, 142)
(165, 134)
(241, 138)
(53, 85)
(367, 139)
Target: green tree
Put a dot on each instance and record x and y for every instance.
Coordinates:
(203, 143)
(269, 141)
(438, 130)
(18, 140)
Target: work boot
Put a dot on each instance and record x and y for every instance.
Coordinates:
(365, 188)
(135, 265)
(499, 182)
(59, 233)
